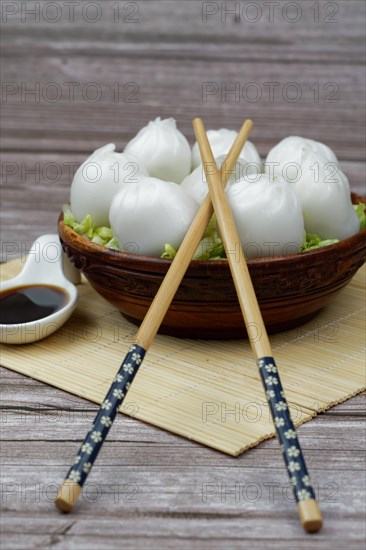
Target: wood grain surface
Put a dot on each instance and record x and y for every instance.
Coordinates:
(158, 490)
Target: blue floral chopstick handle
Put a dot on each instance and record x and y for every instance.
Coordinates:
(285, 429)
(103, 421)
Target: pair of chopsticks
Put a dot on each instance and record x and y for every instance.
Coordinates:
(308, 509)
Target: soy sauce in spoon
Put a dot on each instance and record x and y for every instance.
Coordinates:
(30, 303)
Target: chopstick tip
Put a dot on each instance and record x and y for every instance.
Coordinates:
(310, 515)
(197, 121)
(67, 495)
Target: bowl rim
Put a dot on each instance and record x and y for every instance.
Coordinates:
(70, 236)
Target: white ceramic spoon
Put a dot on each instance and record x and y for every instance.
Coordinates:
(43, 266)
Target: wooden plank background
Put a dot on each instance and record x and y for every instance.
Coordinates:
(149, 487)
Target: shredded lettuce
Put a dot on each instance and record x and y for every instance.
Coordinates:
(169, 252)
(311, 242)
(211, 228)
(360, 210)
(99, 235)
(210, 249)
(211, 246)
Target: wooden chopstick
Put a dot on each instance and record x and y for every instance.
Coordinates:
(70, 489)
(307, 505)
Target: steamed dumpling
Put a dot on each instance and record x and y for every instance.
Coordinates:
(149, 214)
(267, 215)
(196, 183)
(98, 179)
(284, 159)
(221, 142)
(324, 192)
(162, 149)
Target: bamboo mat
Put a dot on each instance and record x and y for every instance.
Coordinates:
(206, 391)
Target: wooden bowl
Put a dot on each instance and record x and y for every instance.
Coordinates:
(290, 289)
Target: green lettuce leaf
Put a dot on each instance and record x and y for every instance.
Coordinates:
(99, 235)
(311, 242)
(210, 248)
(211, 228)
(169, 252)
(361, 213)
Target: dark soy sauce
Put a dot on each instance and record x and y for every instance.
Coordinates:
(23, 304)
